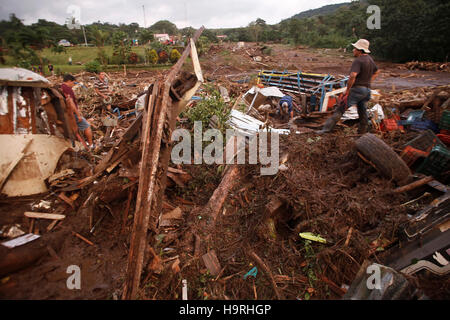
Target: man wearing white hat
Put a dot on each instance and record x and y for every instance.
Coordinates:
(362, 73)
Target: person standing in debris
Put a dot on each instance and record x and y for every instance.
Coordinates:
(362, 73)
(83, 125)
(101, 86)
(50, 68)
(285, 104)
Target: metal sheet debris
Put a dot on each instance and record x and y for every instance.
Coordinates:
(248, 125)
(19, 76)
(267, 92)
(21, 240)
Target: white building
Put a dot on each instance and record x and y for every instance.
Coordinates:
(161, 37)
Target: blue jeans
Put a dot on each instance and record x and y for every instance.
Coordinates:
(81, 123)
(359, 96)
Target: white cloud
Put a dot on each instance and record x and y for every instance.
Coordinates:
(211, 14)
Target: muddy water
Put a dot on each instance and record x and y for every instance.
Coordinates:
(416, 79)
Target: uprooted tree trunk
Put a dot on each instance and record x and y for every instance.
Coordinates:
(219, 196)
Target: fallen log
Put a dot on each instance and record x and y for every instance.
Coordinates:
(219, 196)
(18, 258)
(416, 103)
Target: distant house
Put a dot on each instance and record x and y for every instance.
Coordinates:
(64, 43)
(162, 37)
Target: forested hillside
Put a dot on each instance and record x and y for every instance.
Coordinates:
(410, 30)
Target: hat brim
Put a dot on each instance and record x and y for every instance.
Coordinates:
(359, 48)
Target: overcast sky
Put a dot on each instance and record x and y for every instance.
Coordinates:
(195, 13)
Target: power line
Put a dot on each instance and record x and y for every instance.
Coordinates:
(145, 20)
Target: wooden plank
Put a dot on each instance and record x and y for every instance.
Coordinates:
(30, 230)
(79, 236)
(212, 263)
(52, 225)
(120, 147)
(61, 174)
(196, 62)
(145, 217)
(137, 245)
(42, 215)
(67, 200)
(115, 164)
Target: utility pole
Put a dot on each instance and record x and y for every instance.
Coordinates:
(84, 33)
(185, 15)
(145, 20)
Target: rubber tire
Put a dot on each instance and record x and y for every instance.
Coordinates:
(386, 161)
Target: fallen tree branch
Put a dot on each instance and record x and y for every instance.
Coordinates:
(263, 266)
(414, 185)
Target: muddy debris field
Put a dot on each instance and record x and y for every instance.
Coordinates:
(230, 232)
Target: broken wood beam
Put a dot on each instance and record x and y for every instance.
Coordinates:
(333, 286)
(41, 215)
(152, 173)
(219, 196)
(52, 225)
(79, 236)
(143, 200)
(66, 199)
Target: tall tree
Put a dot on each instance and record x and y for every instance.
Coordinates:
(164, 26)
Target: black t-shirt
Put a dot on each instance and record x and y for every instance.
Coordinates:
(365, 67)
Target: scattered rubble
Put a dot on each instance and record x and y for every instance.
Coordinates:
(428, 66)
(150, 229)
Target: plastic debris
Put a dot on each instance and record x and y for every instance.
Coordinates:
(252, 273)
(312, 237)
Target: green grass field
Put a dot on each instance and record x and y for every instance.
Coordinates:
(82, 55)
(76, 69)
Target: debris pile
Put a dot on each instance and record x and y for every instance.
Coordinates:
(144, 227)
(428, 66)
